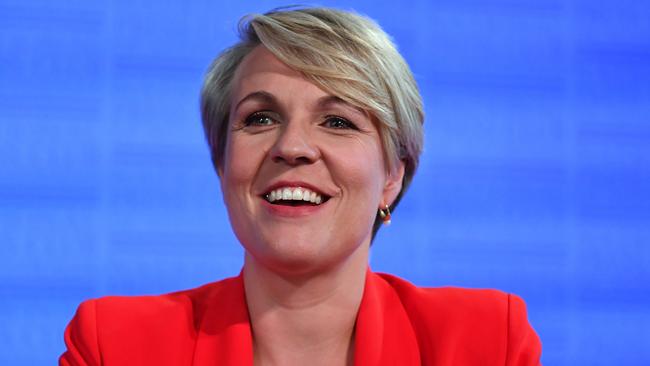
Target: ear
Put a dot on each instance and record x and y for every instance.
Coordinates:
(216, 164)
(393, 184)
(219, 170)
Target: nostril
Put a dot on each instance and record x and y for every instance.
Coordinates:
(303, 159)
(292, 159)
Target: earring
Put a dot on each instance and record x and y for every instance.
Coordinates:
(385, 215)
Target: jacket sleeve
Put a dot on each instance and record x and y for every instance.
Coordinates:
(81, 338)
(524, 346)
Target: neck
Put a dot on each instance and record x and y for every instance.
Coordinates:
(306, 318)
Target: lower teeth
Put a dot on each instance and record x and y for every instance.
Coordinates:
(292, 203)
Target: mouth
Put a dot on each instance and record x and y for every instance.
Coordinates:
(295, 196)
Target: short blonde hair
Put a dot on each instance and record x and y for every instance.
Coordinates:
(343, 53)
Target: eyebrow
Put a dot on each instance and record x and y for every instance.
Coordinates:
(329, 100)
(322, 102)
(259, 95)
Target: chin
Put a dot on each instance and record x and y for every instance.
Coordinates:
(293, 255)
(301, 254)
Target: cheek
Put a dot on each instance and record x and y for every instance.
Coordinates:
(237, 177)
(237, 174)
(362, 172)
(239, 161)
(369, 164)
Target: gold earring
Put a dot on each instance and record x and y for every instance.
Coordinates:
(385, 215)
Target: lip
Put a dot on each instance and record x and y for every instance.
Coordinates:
(292, 211)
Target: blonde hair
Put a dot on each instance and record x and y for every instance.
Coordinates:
(343, 53)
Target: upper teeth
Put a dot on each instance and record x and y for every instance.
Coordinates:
(293, 193)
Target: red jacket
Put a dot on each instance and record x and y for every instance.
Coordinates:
(397, 324)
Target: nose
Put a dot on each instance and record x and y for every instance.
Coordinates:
(294, 146)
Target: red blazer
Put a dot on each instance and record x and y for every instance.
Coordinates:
(397, 324)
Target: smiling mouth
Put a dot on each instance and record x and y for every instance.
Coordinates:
(295, 196)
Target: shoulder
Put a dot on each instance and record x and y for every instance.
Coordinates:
(480, 324)
(450, 301)
(107, 328)
(174, 312)
(152, 308)
(453, 309)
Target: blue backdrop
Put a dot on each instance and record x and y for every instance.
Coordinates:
(534, 178)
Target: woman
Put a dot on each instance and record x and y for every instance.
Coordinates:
(315, 128)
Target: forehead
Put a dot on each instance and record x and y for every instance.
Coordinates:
(261, 60)
(261, 68)
(261, 71)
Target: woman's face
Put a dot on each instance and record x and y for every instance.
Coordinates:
(303, 172)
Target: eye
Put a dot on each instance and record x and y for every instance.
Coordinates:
(259, 119)
(339, 123)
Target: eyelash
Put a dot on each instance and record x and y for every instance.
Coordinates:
(347, 124)
(255, 118)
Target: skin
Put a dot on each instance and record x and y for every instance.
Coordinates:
(304, 272)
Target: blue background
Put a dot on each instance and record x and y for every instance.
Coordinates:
(534, 178)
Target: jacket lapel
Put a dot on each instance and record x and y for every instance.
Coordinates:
(224, 335)
(383, 335)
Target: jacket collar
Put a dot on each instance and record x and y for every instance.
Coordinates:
(224, 332)
(383, 332)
